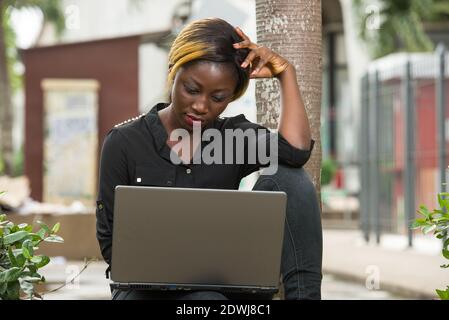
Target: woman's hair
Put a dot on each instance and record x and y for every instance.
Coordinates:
(211, 40)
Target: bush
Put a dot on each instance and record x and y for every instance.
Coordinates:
(19, 262)
(437, 221)
(328, 169)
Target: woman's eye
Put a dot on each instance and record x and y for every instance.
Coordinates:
(218, 99)
(191, 90)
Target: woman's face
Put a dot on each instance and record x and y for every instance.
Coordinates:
(201, 92)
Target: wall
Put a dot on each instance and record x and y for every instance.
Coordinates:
(114, 63)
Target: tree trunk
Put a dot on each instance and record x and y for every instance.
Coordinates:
(6, 117)
(293, 29)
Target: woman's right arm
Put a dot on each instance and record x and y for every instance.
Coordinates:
(113, 171)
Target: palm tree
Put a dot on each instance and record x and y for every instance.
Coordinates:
(52, 12)
(293, 29)
(401, 24)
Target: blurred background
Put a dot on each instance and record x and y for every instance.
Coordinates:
(72, 69)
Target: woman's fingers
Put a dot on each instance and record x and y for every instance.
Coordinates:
(246, 43)
(260, 56)
(243, 44)
(242, 34)
(259, 66)
(249, 58)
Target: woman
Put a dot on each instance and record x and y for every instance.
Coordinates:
(210, 65)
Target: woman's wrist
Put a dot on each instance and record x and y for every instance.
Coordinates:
(290, 69)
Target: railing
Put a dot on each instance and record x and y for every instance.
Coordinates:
(403, 142)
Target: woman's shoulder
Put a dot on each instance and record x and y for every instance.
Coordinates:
(235, 122)
(128, 121)
(125, 130)
(231, 120)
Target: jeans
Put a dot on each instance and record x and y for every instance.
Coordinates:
(301, 250)
(303, 244)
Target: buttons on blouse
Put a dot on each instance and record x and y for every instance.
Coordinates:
(189, 171)
(129, 120)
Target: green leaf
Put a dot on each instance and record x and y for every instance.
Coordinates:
(30, 276)
(416, 224)
(443, 294)
(14, 237)
(428, 229)
(424, 211)
(44, 226)
(3, 286)
(13, 291)
(12, 258)
(20, 259)
(44, 260)
(26, 253)
(55, 228)
(54, 238)
(27, 287)
(32, 279)
(440, 199)
(36, 259)
(28, 244)
(41, 233)
(37, 275)
(11, 274)
(35, 238)
(445, 253)
(32, 268)
(446, 243)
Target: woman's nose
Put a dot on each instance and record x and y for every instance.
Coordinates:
(200, 106)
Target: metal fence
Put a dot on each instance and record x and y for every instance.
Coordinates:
(403, 142)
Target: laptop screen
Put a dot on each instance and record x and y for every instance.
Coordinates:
(197, 238)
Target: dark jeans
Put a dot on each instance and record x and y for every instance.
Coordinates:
(303, 245)
(301, 250)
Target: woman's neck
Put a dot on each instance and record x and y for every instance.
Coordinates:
(168, 119)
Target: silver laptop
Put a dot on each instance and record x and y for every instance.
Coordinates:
(197, 239)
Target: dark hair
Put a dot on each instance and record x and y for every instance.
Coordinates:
(211, 40)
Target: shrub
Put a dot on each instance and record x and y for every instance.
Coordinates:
(328, 169)
(437, 221)
(19, 263)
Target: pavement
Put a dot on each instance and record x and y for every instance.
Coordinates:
(413, 273)
(352, 269)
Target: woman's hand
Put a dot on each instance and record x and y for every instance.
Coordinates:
(263, 62)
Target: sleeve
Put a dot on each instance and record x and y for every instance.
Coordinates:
(113, 171)
(286, 153)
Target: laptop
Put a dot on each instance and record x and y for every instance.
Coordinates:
(197, 239)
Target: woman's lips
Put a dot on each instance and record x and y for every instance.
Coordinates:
(191, 119)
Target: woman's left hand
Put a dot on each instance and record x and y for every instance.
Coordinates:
(263, 62)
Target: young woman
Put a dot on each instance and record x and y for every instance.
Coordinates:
(210, 65)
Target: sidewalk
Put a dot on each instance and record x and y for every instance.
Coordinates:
(91, 284)
(348, 265)
(409, 272)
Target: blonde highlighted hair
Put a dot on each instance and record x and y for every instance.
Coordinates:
(210, 40)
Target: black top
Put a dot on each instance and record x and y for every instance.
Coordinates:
(136, 153)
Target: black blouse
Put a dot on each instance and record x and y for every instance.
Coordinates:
(136, 153)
